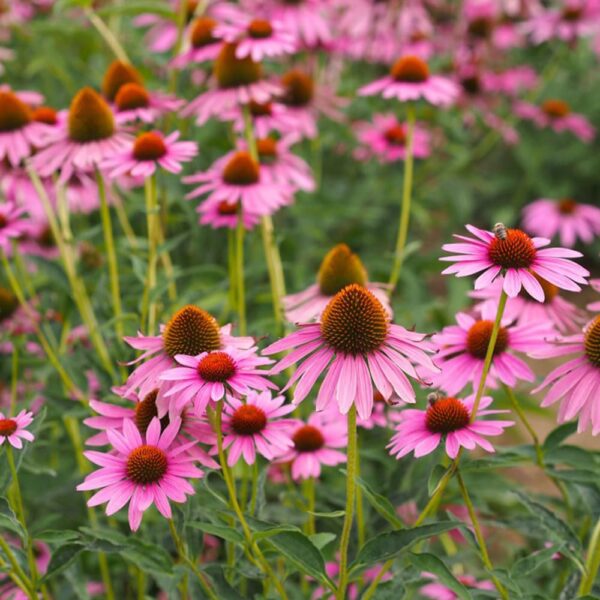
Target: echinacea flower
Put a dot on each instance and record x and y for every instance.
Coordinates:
(14, 318)
(133, 102)
(462, 349)
(410, 79)
(117, 75)
(333, 570)
(567, 218)
(225, 214)
(84, 141)
(339, 268)
(378, 417)
(202, 45)
(210, 375)
(12, 225)
(448, 420)
(576, 383)
(557, 115)
(316, 443)
(141, 157)
(13, 429)
(355, 344)
(267, 118)
(141, 471)
(255, 426)
(385, 138)
(438, 591)
(513, 256)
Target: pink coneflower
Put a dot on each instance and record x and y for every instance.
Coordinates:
(39, 240)
(385, 139)
(409, 79)
(135, 103)
(594, 306)
(190, 331)
(557, 114)
(12, 429)
(316, 443)
(141, 471)
(225, 214)
(14, 318)
(354, 344)
(463, 347)
(238, 179)
(333, 570)
(523, 309)
(511, 81)
(148, 151)
(208, 376)
(12, 225)
(567, 218)
(378, 417)
(235, 81)
(257, 38)
(266, 118)
(202, 44)
(255, 426)
(447, 419)
(339, 268)
(576, 382)
(512, 255)
(438, 591)
(20, 134)
(88, 137)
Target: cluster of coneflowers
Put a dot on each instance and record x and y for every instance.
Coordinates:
(200, 396)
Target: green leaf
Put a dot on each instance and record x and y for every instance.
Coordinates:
(381, 504)
(62, 558)
(530, 563)
(434, 478)
(432, 564)
(8, 519)
(222, 531)
(57, 536)
(336, 514)
(320, 540)
(559, 435)
(388, 545)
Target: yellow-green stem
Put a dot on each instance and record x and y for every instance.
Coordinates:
(309, 494)
(107, 35)
(592, 562)
(153, 225)
(26, 585)
(14, 377)
(240, 232)
(360, 512)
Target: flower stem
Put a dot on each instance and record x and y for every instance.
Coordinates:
(592, 562)
(153, 225)
(360, 513)
(239, 269)
(406, 200)
(14, 377)
(479, 535)
(20, 578)
(309, 493)
(107, 35)
(352, 456)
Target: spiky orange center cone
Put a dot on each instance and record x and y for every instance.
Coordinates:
(567, 206)
(298, 88)
(340, 268)
(202, 32)
(260, 110)
(7, 427)
(592, 341)
(354, 322)
(267, 150)
(146, 464)
(515, 251)
(146, 410)
(3, 221)
(190, 9)
(556, 109)
(260, 29)
(90, 117)
(445, 415)
(8, 303)
(131, 96)
(149, 146)
(481, 27)
(45, 114)
(572, 13)
(471, 84)
(231, 71)
(118, 74)
(248, 420)
(550, 290)
(410, 69)
(227, 208)
(308, 439)
(241, 169)
(217, 366)
(478, 339)
(396, 135)
(191, 331)
(14, 113)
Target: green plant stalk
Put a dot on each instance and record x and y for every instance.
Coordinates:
(20, 578)
(5, 568)
(592, 562)
(240, 232)
(254, 488)
(14, 376)
(231, 269)
(107, 35)
(360, 512)
(352, 456)
(485, 557)
(113, 267)
(309, 494)
(153, 225)
(406, 200)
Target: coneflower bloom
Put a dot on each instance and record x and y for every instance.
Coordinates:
(190, 331)
(88, 137)
(446, 420)
(355, 344)
(340, 267)
(14, 318)
(225, 214)
(202, 45)
(208, 376)
(267, 118)
(142, 471)
(150, 150)
(385, 139)
(255, 426)
(576, 383)
(567, 218)
(238, 179)
(20, 133)
(316, 443)
(558, 115)
(133, 102)
(333, 570)
(462, 349)
(410, 79)
(12, 225)
(236, 81)
(515, 257)
(379, 417)
(116, 76)
(438, 591)
(13, 429)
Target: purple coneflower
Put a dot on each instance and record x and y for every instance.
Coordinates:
(13, 429)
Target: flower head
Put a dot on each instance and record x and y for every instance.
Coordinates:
(202, 43)
(133, 102)
(12, 225)
(13, 429)
(438, 591)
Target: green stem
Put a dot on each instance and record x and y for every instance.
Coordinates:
(352, 455)
(111, 41)
(240, 232)
(25, 583)
(592, 562)
(360, 512)
(309, 493)
(254, 488)
(406, 200)
(485, 557)
(14, 377)
(153, 225)
(231, 268)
